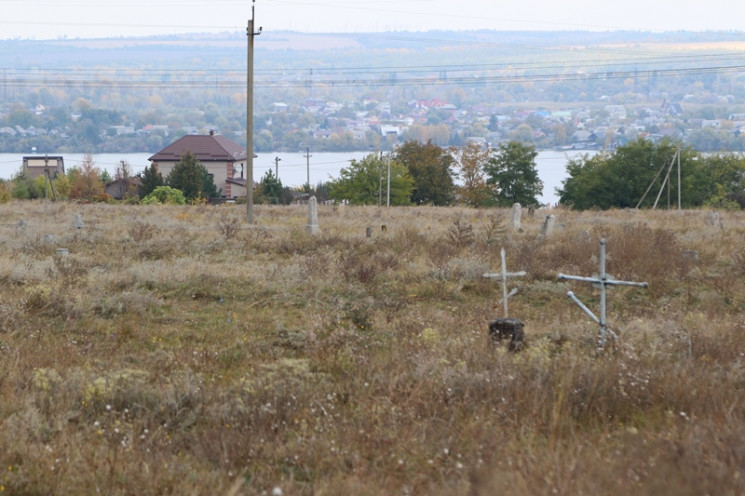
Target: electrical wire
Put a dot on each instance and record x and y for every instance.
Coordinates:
(237, 80)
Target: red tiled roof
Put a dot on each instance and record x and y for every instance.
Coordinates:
(206, 148)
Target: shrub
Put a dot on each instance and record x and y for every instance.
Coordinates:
(165, 195)
(5, 192)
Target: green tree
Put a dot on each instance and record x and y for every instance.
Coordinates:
(364, 182)
(105, 177)
(723, 175)
(62, 185)
(270, 189)
(150, 178)
(430, 166)
(21, 189)
(620, 179)
(512, 170)
(583, 186)
(192, 178)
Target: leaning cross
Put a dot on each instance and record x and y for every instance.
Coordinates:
(504, 275)
(600, 281)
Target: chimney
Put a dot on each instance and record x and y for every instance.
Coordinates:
(212, 132)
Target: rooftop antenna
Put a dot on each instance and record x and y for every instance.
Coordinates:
(251, 34)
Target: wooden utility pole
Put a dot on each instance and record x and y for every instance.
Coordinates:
(679, 185)
(250, 118)
(307, 165)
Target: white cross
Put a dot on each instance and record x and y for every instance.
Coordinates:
(504, 275)
(601, 281)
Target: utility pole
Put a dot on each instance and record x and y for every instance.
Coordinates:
(250, 117)
(307, 165)
(388, 182)
(276, 166)
(679, 207)
(46, 175)
(48, 182)
(380, 178)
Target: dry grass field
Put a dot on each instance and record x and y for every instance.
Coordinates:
(176, 350)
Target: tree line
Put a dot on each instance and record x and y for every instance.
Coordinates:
(644, 174)
(189, 181)
(427, 174)
(631, 176)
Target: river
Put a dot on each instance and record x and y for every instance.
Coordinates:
(294, 168)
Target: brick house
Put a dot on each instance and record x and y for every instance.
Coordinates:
(222, 158)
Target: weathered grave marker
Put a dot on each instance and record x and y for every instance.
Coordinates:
(78, 222)
(515, 220)
(313, 216)
(504, 275)
(548, 225)
(602, 280)
(714, 220)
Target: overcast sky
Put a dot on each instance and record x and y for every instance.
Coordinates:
(45, 19)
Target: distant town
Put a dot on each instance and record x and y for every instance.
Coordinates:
(352, 93)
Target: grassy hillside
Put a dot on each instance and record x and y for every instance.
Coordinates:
(179, 351)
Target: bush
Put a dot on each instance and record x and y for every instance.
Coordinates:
(165, 195)
(5, 192)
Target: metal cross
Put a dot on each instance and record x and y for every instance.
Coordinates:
(600, 281)
(504, 275)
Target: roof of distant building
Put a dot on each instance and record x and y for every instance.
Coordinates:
(206, 148)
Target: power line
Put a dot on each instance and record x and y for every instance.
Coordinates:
(233, 81)
(344, 73)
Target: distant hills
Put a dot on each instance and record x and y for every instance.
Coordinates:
(173, 49)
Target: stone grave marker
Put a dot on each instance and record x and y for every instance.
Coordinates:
(714, 220)
(312, 226)
(78, 222)
(548, 225)
(515, 219)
